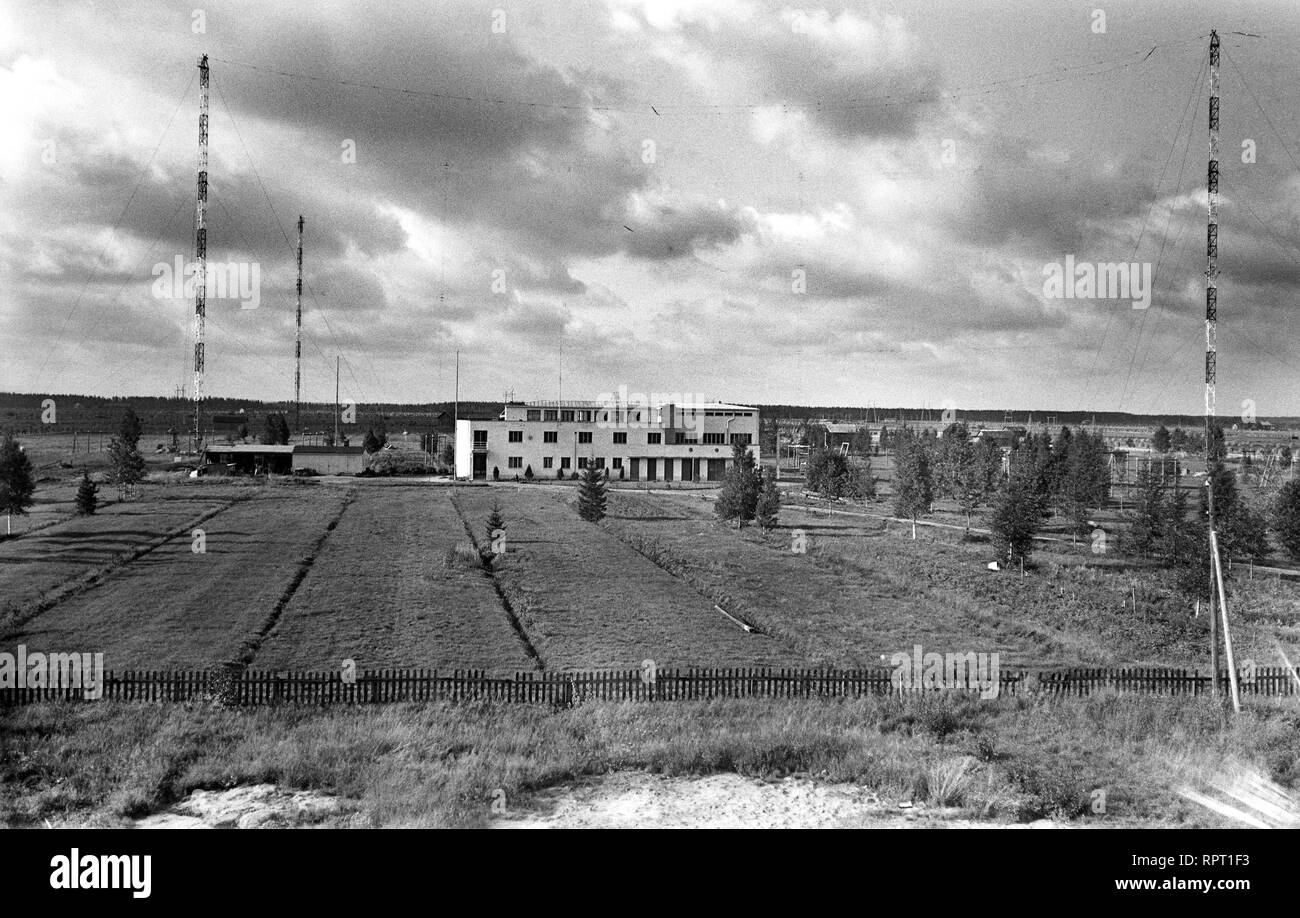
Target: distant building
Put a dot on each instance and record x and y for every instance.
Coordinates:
(329, 460)
(669, 442)
(840, 436)
(259, 458)
(1004, 437)
(248, 458)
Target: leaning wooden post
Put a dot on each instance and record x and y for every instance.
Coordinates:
(1223, 611)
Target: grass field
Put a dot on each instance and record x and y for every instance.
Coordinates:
(384, 586)
(829, 614)
(381, 592)
(587, 600)
(37, 567)
(174, 608)
(1006, 761)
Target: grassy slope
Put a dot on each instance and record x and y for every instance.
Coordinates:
(1016, 758)
(382, 593)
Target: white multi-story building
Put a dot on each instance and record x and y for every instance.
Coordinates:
(637, 442)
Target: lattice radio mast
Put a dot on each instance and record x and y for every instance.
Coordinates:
(297, 345)
(1211, 324)
(200, 248)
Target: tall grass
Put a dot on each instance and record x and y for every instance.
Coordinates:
(440, 765)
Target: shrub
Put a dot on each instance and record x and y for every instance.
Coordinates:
(496, 473)
(87, 499)
(495, 521)
(559, 474)
(463, 557)
(528, 473)
(769, 502)
(591, 496)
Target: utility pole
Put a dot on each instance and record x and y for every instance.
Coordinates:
(336, 400)
(201, 248)
(297, 346)
(456, 409)
(1211, 328)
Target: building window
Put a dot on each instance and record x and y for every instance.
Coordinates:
(682, 438)
(550, 436)
(582, 462)
(564, 462)
(566, 415)
(584, 436)
(534, 414)
(618, 462)
(600, 462)
(584, 417)
(480, 438)
(548, 462)
(744, 438)
(515, 462)
(516, 436)
(550, 414)
(654, 438)
(620, 438)
(715, 438)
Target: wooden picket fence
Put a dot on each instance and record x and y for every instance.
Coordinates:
(563, 689)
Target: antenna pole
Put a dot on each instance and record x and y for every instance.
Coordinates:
(201, 248)
(1211, 330)
(297, 345)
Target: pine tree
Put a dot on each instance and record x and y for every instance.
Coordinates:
(1160, 439)
(1150, 515)
(738, 498)
(87, 495)
(831, 475)
(16, 482)
(495, 521)
(370, 442)
(1017, 514)
(127, 467)
(1286, 518)
(769, 502)
(591, 494)
(1186, 544)
(1242, 531)
(276, 430)
(130, 427)
(913, 486)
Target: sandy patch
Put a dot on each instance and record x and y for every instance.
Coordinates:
(637, 800)
(259, 806)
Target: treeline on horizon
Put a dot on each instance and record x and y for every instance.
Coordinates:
(74, 408)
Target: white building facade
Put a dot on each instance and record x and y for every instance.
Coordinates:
(635, 442)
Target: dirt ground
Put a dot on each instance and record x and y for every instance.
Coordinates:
(630, 800)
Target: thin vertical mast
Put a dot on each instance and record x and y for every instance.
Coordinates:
(1211, 326)
(201, 248)
(297, 345)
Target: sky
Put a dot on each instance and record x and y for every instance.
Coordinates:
(849, 204)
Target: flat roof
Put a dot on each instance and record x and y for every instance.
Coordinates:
(715, 406)
(249, 448)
